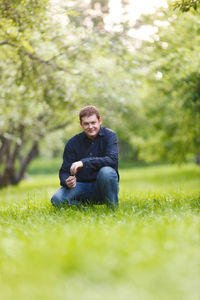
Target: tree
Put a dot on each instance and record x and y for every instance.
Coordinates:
(28, 107)
(169, 90)
(48, 70)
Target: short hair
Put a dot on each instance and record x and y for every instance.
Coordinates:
(88, 111)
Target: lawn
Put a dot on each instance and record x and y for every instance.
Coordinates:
(148, 249)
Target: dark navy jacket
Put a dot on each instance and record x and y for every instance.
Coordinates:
(95, 154)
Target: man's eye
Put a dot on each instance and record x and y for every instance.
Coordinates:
(93, 123)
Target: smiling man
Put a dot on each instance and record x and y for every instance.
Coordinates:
(89, 172)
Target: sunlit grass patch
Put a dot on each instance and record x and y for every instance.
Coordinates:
(147, 249)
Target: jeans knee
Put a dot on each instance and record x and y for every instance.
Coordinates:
(58, 197)
(107, 173)
(55, 201)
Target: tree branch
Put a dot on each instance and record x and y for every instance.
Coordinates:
(4, 43)
(60, 126)
(36, 58)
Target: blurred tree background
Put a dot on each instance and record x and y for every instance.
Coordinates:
(57, 56)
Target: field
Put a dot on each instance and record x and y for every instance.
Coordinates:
(148, 249)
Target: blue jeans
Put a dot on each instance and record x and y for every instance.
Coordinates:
(102, 191)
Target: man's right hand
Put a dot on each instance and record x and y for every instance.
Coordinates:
(71, 182)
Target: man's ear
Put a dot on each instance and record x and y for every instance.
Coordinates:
(100, 120)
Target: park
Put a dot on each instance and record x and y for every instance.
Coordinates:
(55, 58)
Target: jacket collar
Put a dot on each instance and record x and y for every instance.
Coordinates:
(101, 131)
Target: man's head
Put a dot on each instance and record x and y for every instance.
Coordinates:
(90, 121)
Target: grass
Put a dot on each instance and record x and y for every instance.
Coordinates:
(148, 249)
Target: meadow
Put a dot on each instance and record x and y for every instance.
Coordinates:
(148, 249)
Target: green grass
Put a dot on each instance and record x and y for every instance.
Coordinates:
(148, 249)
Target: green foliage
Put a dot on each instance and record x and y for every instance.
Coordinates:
(147, 249)
(169, 87)
(185, 5)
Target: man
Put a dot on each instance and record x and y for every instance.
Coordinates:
(89, 173)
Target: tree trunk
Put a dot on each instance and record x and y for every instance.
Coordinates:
(25, 162)
(4, 149)
(10, 176)
(9, 171)
(197, 159)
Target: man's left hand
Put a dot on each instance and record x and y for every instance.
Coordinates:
(75, 167)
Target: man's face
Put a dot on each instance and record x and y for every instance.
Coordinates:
(91, 126)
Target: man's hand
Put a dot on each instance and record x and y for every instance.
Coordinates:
(75, 167)
(71, 182)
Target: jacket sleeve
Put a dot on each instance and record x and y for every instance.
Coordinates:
(68, 159)
(109, 159)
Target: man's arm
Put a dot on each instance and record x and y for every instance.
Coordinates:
(66, 180)
(71, 182)
(110, 158)
(75, 167)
